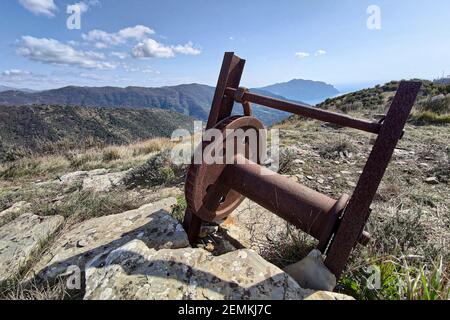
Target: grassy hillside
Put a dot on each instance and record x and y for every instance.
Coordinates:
(49, 129)
(433, 104)
(410, 219)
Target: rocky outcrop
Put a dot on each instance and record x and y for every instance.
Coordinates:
(79, 176)
(144, 254)
(105, 182)
(151, 224)
(99, 180)
(135, 271)
(312, 273)
(252, 226)
(327, 295)
(21, 238)
(13, 212)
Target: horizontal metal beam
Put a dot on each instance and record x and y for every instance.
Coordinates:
(307, 111)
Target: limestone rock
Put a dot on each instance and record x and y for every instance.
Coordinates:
(432, 180)
(252, 226)
(312, 273)
(137, 272)
(13, 212)
(151, 223)
(73, 177)
(104, 182)
(99, 180)
(20, 238)
(325, 295)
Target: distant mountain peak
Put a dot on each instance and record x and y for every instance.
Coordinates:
(309, 91)
(6, 88)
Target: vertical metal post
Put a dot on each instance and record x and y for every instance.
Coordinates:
(222, 106)
(358, 209)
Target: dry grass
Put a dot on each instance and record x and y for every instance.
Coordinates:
(83, 205)
(410, 222)
(114, 157)
(34, 292)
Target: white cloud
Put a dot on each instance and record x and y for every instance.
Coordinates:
(129, 68)
(73, 43)
(15, 72)
(120, 55)
(150, 70)
(84, 5)
(187, 49)
(320, 52)
(103, 39)
(150, 48)
(51, 51)
(20, 76)
(40, 7)
(91, 76)
(302, 55)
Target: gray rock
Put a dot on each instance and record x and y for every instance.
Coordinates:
(326, 295)
(432, 180)
(438, 97)
(136, 272)
(104, 182)
(21, 238)
(251, 226)
(99, 180)
(14, 211)
(78, 176)
(312, 273)
(151, 223)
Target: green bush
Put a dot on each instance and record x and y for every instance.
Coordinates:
(110, 155)
(158, 171)
(427, 117)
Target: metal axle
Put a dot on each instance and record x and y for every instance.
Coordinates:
(308, 210)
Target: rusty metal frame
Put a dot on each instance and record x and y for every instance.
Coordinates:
(222, 106)
(337, 224)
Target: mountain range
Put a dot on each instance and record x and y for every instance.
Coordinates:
(189, 99)
(76, 116)
(6, 88)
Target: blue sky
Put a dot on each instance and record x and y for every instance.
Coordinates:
(168, 42)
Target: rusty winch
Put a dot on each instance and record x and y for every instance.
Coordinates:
(214, 190)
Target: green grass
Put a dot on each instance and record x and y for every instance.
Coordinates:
(289, 248)
(392, 279)
(159, 170)
(427, 117)
(179, 209)
(83, 205)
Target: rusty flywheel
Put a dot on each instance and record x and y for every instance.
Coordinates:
(203, 190)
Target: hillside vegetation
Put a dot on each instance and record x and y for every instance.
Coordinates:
(432, 106)
(410, 222)
(53, 129)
